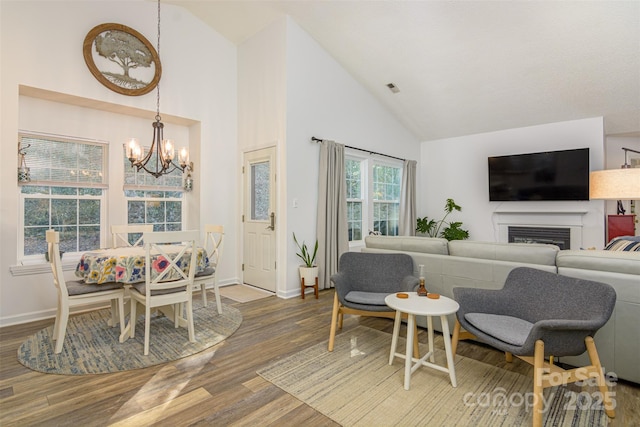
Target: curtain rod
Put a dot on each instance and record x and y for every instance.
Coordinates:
(314, 139)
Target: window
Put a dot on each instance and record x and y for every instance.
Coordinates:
(150, 200)
(386, 199)
(163, 209)
(66, 193)
(355, 198)
(260, 195)
(373, 196)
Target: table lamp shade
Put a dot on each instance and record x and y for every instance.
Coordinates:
(615, 184)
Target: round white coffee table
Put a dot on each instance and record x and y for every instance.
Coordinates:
(422, 306)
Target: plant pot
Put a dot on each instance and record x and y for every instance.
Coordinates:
(309, 275)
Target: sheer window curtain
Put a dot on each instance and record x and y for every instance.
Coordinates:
(331, 227)
(407, 221)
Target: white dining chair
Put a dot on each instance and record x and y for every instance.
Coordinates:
(77, 293)
(170, 285)
(120, 234)
(213, 245)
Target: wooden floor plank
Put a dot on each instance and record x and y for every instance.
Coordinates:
(218, 386)
(165, 410)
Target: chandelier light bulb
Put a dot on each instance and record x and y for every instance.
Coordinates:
(169, 149)
(183, 157)
(134, 152)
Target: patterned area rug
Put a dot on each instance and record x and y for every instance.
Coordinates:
(92, 347)
(355, 386)
(244, 293)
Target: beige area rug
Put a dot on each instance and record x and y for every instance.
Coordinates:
(243, 293)
(355, 386)
(91, 347)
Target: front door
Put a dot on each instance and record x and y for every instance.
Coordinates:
(259, 253)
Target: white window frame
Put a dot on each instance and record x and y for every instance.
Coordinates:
(367, 163)
(385, 163)
(39, 258)
(148, 199)
(363, 197)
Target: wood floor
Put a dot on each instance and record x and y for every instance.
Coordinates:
(216, 387)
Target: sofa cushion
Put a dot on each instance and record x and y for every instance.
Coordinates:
(525, 253)
(509, 329)
(429, 245)
(368, 298)
(621, 262)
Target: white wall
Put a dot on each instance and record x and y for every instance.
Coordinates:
(262, 117)
(457, 168)
(41, 47)
(289, 90)
(325, 101)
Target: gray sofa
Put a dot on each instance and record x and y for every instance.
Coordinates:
(464, 263)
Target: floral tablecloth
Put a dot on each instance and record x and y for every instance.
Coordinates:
(126, 265)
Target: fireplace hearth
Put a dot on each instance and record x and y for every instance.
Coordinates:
(560, 237)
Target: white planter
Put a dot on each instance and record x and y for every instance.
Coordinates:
(309, 275)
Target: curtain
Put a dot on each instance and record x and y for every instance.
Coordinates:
(407, 223)
(331, 228)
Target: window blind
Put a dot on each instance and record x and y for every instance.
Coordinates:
(64, 162)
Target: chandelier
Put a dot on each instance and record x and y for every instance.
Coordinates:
(159, 160)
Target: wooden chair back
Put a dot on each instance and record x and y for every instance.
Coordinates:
(213, 243)
(120, 234)
(53, 252)
(170, 274)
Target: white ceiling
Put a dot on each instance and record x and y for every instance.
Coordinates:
(469, 67)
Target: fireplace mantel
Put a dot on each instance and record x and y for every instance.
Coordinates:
(565, 218)
(542, 212)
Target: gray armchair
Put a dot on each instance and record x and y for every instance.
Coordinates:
(364, 280)
(539, 315)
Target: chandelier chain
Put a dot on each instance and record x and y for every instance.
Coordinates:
(160, 156)
(158, 85)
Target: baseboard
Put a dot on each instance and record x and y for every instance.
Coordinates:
(34, 316)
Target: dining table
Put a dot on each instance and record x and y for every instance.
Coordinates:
(126, 265)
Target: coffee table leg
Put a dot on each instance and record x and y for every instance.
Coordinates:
(394, 337)
(430, 332)
(408, 358)
(447, 347)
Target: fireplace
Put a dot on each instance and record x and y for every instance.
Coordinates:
(560, 237)
(549, 222)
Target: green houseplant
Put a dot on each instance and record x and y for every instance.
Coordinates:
(303, 253)
(451, 230)
(308, 271)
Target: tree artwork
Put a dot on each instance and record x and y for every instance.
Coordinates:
(122, 59)
(126, 51)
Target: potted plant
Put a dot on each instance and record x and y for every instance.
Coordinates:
(308, 271)
(451, 231)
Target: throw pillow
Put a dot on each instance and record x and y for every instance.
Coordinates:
(623, 244)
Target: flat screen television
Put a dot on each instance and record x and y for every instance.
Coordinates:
(550, 175)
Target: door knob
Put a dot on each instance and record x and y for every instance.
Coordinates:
(272, 226)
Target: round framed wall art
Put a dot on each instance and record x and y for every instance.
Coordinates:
(122, 59)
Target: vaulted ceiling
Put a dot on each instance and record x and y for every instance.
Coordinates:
(469, 67)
